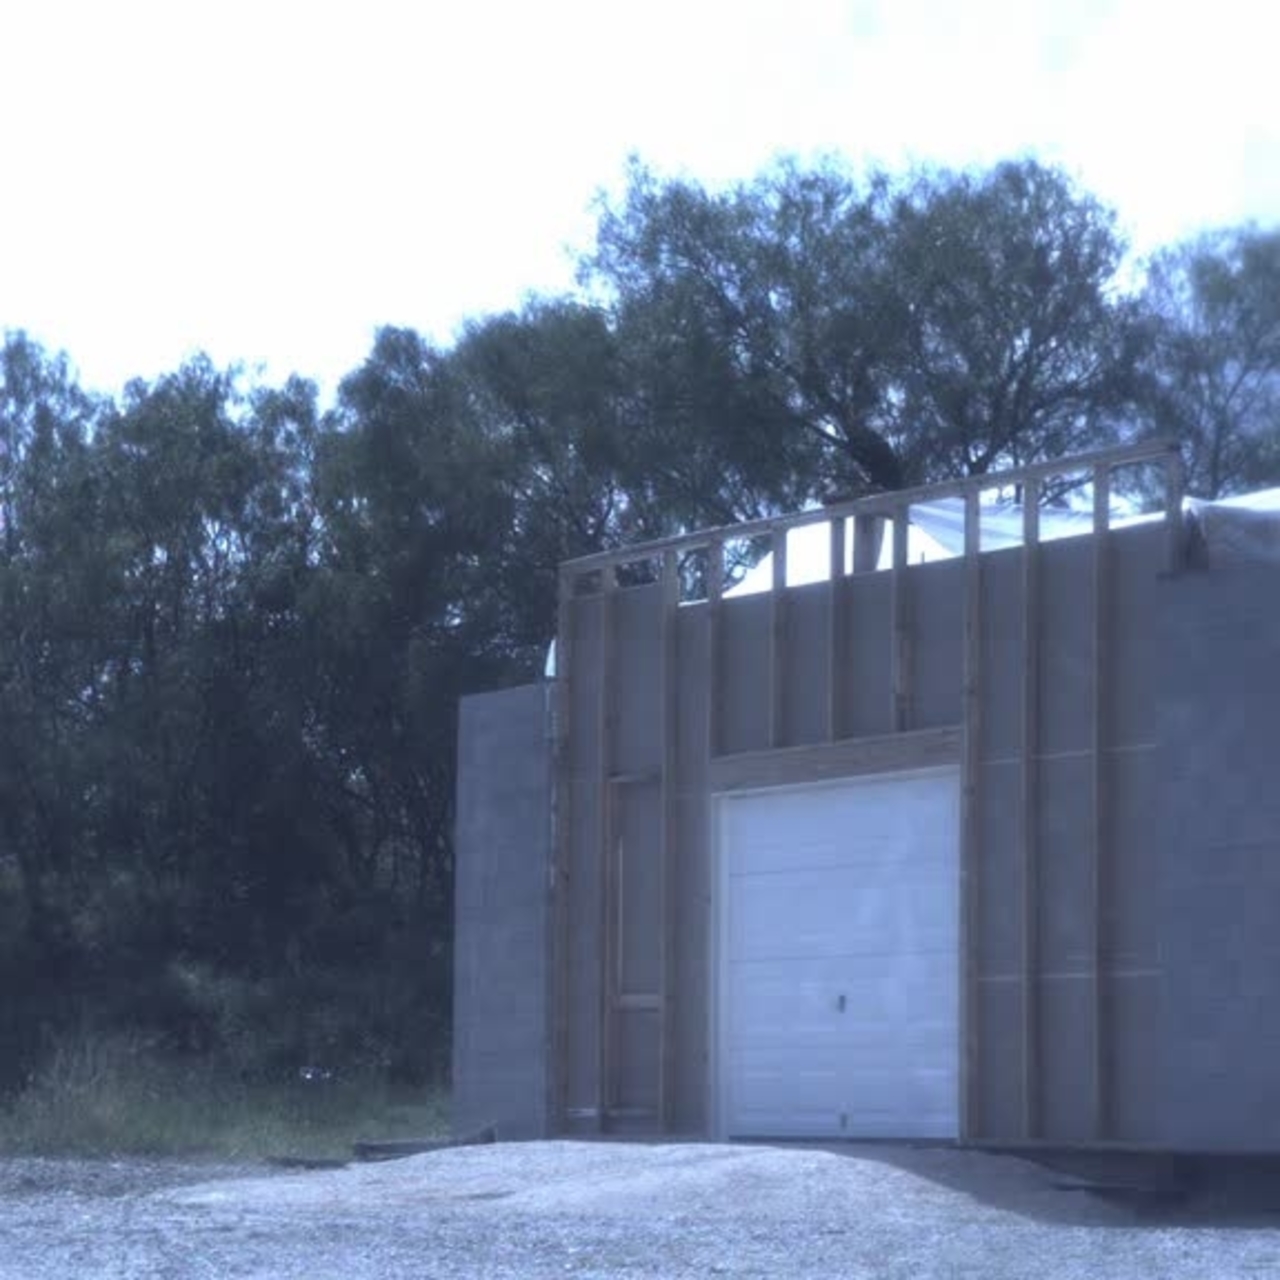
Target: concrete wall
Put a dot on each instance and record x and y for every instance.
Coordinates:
(1131, 854)
(503, 841)
(1219, 671)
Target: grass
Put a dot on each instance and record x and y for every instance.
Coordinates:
(100, 1099)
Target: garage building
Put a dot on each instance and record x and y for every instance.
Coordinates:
(982, 846)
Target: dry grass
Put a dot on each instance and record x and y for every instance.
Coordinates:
(107, 1098)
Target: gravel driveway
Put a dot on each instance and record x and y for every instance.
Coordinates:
(605, 1209)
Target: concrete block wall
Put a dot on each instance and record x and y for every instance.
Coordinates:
(1219, 661)
(503, 858)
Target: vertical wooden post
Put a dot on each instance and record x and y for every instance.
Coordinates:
(970, 829)
(715, 595)
(836, 533)
(836, 656)
(1100, 836)
(900, 712)
(559, 944)
(1030, 811)
(867, 534)
(778, 640)
(668, 851)
(606, 854)
(1176, 531)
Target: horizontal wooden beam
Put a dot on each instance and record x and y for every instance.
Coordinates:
(829, 761)
(638, 1001)
(645, 778)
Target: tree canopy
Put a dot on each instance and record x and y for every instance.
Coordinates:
(808, 333)
(1214, 360)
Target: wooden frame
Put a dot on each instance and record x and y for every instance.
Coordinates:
(1159, 452)
(838, 756)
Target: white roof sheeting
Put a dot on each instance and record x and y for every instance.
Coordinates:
(936, 532)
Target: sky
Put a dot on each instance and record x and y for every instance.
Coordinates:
(271, 181)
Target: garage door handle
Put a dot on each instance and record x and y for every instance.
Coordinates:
(840, 1003)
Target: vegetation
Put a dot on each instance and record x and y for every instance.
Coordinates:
(235, 625)
(103, 1097)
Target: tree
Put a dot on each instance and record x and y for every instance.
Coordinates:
(547, 388)
(1016, 346)
(55, 592)
(1213, 367)
(754, 328)
(806, 333)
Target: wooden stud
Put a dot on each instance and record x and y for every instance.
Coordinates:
(777, 640)
(836, 656)
(868, 533)
(1174, 480)
(715, 609)
(606, 853)
(836, 534)
(668, 852)
(970, 829)
(1099, 842)
(1029, 810)
(900, 710)
(559, 943)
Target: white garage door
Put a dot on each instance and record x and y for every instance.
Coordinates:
(839, 959)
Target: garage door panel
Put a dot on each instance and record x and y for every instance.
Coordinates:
(792, 914)
(773, 1122)
(782, 1104)
(760, 825)
(759, 1078)
(769, 998)
(939, 1125)
(840, 930)
(837, 911)
(873, 851)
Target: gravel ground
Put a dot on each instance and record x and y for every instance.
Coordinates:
(606, 1209)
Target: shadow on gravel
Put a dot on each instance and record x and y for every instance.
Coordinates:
(1089, 1189)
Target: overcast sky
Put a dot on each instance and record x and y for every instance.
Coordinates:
(269, 181)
